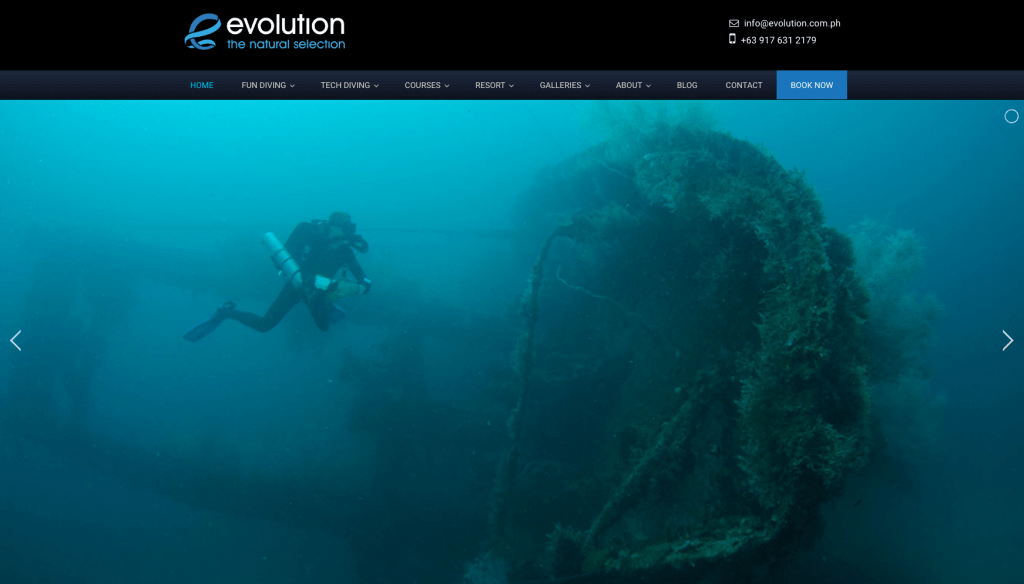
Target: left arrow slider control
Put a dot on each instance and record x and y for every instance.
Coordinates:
(14, 337)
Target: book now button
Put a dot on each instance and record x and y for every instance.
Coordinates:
(810, 85)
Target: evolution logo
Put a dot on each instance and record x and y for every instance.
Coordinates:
(205, 44)
(268, 26)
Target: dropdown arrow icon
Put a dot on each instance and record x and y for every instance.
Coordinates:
(647, 84)
(291, 85)
(1004, 332)
(511, 84)
(446, 85)
(587, 84)
(376, 84)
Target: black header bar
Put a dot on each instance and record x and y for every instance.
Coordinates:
(489, 84)
(384, 36)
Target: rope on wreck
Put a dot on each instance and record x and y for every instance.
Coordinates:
(558, 274)
(524, 355)
(579, 228)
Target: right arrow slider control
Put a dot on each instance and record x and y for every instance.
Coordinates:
(1011, 340)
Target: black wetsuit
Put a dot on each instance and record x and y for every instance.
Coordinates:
(310, 247)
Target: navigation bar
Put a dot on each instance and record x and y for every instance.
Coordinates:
(509, 84)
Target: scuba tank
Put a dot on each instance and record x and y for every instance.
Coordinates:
(283, 260)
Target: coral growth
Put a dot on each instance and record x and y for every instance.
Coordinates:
(901, 324)
(897, 335)
(715, 363)
(564, 551)
(489, 568)
(629, 126)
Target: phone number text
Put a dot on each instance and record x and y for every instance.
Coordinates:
(779, 40)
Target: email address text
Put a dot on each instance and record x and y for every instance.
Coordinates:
(764, 23)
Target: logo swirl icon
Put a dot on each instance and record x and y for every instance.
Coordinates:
(206, 44)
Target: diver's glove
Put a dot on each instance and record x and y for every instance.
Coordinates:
(358, 243)
(318, 285)
(366, 285)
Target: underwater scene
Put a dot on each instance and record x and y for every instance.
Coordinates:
(501, 342)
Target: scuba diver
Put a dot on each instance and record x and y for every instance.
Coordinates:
(310, 260)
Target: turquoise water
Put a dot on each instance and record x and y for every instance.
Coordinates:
(127, 222)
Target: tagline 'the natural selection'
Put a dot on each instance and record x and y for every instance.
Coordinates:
(286, 44)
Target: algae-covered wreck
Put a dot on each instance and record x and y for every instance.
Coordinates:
(693, 384)
(690, 385)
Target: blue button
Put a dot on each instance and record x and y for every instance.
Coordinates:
(810, 85)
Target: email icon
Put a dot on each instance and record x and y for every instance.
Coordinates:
(734, 23)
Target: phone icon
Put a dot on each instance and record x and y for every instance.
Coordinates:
(732, 38)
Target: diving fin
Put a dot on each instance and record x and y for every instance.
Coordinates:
(209, 325)
(336, 313)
